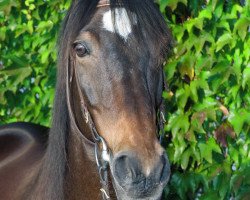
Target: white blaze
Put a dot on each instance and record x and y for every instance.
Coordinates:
(121, 20)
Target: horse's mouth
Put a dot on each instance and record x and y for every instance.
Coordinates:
(130, 183)
(154, 194)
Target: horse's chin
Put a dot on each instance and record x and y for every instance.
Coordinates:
(156, 194)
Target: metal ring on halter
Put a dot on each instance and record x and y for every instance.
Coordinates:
(102, 170)
(96, 136)
(104, 145)
(104, 152)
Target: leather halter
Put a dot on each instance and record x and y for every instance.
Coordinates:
(101, 154)
(93, 149)
(97, 148)
(102, 159)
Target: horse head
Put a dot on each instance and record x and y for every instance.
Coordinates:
(116, 82)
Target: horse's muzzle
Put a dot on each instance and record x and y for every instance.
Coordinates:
(129, 177)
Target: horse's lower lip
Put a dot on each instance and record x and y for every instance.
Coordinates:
(123, 195)
(134, 194)
(130, 182)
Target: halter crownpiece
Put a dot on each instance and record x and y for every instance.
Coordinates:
(103, 3)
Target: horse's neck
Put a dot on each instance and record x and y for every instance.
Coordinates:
(82, 179)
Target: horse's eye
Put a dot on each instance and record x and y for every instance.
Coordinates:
(80, 49)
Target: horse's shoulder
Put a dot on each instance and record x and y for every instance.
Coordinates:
(22, 148)
(17, 135)
(21, 139)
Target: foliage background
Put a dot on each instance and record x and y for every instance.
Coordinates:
(208, 113)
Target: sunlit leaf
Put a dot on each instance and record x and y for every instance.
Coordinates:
(223, 40)
(246, 77)
(242, 26)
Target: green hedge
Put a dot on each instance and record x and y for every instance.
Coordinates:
(208, 113)
(28, 36)
(209, 99)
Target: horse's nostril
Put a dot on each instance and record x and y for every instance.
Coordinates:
(125, 168)
(128, 170)
(129, 174)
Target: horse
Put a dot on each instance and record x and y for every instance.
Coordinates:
(103, 141)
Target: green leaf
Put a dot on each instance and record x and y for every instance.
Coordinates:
(223, 40)
(206, 149)
(206, 13)
(207, 103)
(194, 85)
(182, 97)
(238, 118)
(197, 122)
(19, 74)
(18, 61)
(187, 66)
(218, 8)
(44, 25)
(223, 24)
(170, 69)
(197, 22)
(178, 32)
(242, 26)
(221, 184)
(171, 3)
(178, 123)
(3, 33)
(6, 5)
(246, 78)
(185, 159)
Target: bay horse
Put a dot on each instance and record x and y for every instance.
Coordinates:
(103, 141)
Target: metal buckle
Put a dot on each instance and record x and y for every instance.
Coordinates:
(102, 162)
(105, 193)
(105, 156)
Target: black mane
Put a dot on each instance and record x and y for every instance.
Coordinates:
(79, 14)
